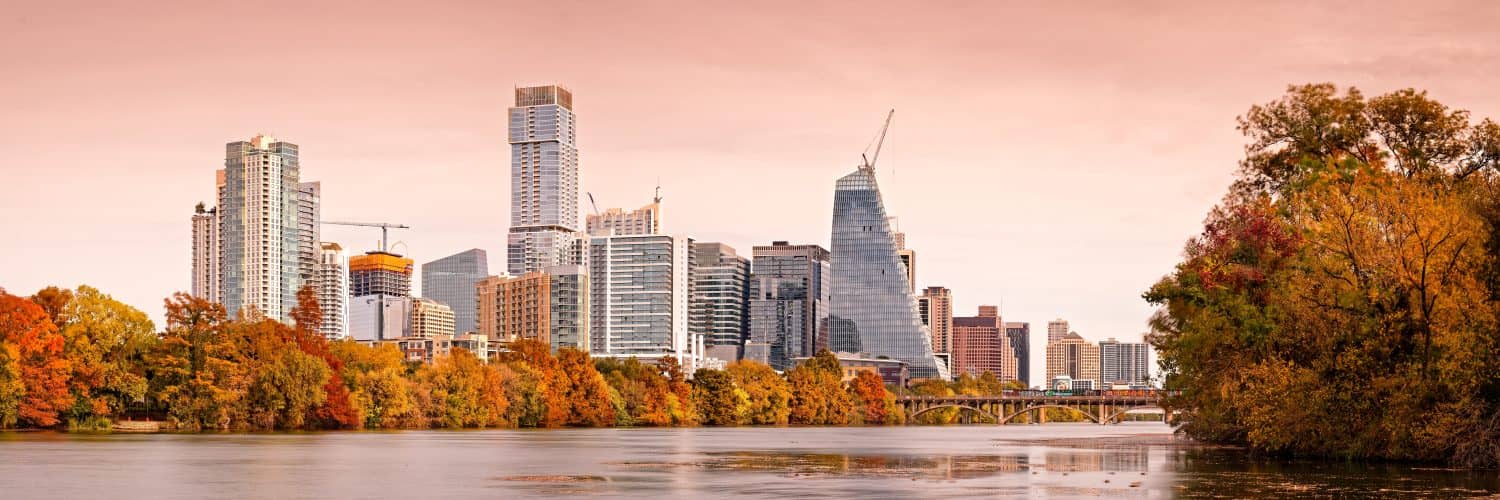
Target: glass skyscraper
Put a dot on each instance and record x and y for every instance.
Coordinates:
(267, 249)
(788, 303)
(873, 310)
(451, 279)
(638, 298)
(543, 182)
(1019, 333)
(719, 292)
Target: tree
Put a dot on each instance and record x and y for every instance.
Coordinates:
(287, 390)
(818, 395)
(105, 343)
(12, 388)
(552, 384)
(873, 403)
(465, 392)
(378, 389)
(43, 371)
(53, 300)
(768, 397)
(586, 390)
(337, 411)
(718, 401)
(193, 369)
(1342, 300)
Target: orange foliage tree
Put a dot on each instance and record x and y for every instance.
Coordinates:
(38, 353)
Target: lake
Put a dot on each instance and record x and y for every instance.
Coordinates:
(1137, 459)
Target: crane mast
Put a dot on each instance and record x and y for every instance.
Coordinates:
(880, 141)
(385, 228)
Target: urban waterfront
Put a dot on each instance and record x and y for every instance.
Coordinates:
(1059, 460)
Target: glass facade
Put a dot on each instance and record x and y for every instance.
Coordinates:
(262, 235)
(873, 310)
(1123, 363)
(788, 306)
(451, 279)
(543, 182)
(569, 307)
(638, 298)
(720, 280)
(1020, 341)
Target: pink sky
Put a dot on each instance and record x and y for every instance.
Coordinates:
(1053, 159)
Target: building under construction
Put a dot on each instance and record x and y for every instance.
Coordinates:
(380, 273)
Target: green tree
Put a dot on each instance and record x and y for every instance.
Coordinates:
(718, 401)
(192, 370)
(106, 343)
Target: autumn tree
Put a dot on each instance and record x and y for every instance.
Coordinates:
(465, 392)
(717, 399)
(105, 344)
(768, 397)
(552, 384)
(193, 369)
(818, 395)
(337, 410)
(379, 390)
(586, 390)
(12, 389)
(38, 354)
(874, 405)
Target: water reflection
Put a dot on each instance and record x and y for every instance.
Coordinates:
(1053, 460)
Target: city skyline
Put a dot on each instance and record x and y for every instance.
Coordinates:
(1055, 215)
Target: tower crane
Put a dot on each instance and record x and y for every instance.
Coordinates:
(880, 141)
(385, 227)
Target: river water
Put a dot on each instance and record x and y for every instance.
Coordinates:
(1055, 460)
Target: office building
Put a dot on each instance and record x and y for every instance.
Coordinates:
(1124, 363)
(720, 293)
(206, 254)
(980, 345)
(1018, 334)
(543, 181)
(644, 220)
(511, 308)
(266, 249)
(333, 291)
(936, 308)
(1075, 357)
(380, 273)
(430, 318)
(638, 298)
(789, 300)
(451, 280)
(873, 309)
(1056, 330)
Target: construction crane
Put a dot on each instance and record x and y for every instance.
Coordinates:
(880, 141)
(385, 227)
(591, 202)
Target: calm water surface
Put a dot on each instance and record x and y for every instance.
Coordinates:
(1053, 460)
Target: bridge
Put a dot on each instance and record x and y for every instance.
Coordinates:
(1100, 409)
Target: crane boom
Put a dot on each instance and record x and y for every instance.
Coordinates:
(881, 141)
(385, 228)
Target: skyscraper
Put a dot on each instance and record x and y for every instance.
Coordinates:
(569, 306)
(543, 181)
(980, 345)
(938, 317)
(451, 279)
(720, 290)
(873, 309)
(333, 290)
(1019, 336)
(1075, 357)
(1056, 330)
(309, 208)
(206, 254)
(1123, 362)
(639, 290)
(380, 273)
(789, 300)
(908, 256)
(265, 255)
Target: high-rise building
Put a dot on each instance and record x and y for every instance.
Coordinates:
(206, 254)
(638, 298)
(980, 345)
(265, 255)
(789, 300)
(543, 181)
(908, 256)
(333, 291)
(1056, 330)
(720, 292)
(511, 308)
(1018, 333)
(380, 273)
(569, 304)
(430, 318)
(1123, 362)
(451, 279)
(1076, 358)
(644, 220)
(379, 317)
(937, 302)
(874, 310)
(309, 212)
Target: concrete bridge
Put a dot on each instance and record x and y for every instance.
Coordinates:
(1100, 409)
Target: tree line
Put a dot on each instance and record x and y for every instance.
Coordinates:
(1343, 299)
(78, 359)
